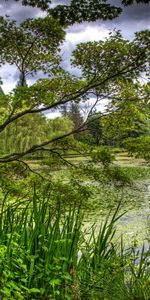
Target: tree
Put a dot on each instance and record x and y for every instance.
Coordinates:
(64, 110)
(98, 59)
(139, 146)
(79, 11)
(43, 4)
(75, 115)
(89, 10)
(128, 114)
(22, 80)
(127, 98)
(94, 128)
(23, 129)
(33, 46)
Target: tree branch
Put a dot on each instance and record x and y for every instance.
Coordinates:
(71, 97)
(28, 167)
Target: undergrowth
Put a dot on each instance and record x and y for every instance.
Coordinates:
(50, 256)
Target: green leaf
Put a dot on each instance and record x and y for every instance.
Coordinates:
(54, 282)
(34, 290)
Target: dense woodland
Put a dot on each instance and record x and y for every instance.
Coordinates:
(58, 174)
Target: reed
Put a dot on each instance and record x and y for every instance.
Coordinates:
(45, 256)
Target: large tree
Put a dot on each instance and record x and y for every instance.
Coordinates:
(79, 11)
(94, 128)
(128, 112)
(104, 66)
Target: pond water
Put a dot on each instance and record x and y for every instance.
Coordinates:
(135, 201)
(134, 225)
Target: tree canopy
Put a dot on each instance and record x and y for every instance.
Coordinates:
(32, 46)
(80, 11)
(108, 68)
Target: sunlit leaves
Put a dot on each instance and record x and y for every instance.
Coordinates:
(33, 46)
(109, 70)
(49, 92)
(112, 56)
(31, 130)
(127, 113)
(139, 146)
(5, 106)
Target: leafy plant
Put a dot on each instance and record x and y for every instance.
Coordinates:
(103, 155)
(140, 147)
(46, 256)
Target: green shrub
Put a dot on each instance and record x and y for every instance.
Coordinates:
(103, 155)
(118, 175)
(54, 162)
(140, 147)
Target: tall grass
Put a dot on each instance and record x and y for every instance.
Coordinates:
(45, 256)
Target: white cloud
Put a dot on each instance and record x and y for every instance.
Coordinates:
(86, 33)
(18, 12)
(80, 33)
(8, 73)
(100, 106)
(53, 115)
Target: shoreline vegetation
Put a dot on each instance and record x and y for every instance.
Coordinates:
(47, 251)
(50, 257)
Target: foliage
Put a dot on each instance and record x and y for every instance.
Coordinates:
(45, 256)
(140, 147)
(128, 114)
(40, 253)
(43, 4)
(95, 58)
(22, 129)
(63, 88)
(118, 176)
(94, 128)
(102, 154)
(79, 11)
(75, 115)
(88, 10)
(36, 44)
(44, 251)
(86, 5)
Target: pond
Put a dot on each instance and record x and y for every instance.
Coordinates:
(134, 198)
(134, 225)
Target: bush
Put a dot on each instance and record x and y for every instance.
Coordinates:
(140, 147)
(103, 155)
(118, 176)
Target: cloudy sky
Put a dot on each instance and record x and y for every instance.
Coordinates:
(134, 18)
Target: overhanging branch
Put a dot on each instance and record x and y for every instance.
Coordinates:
(66, 98)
